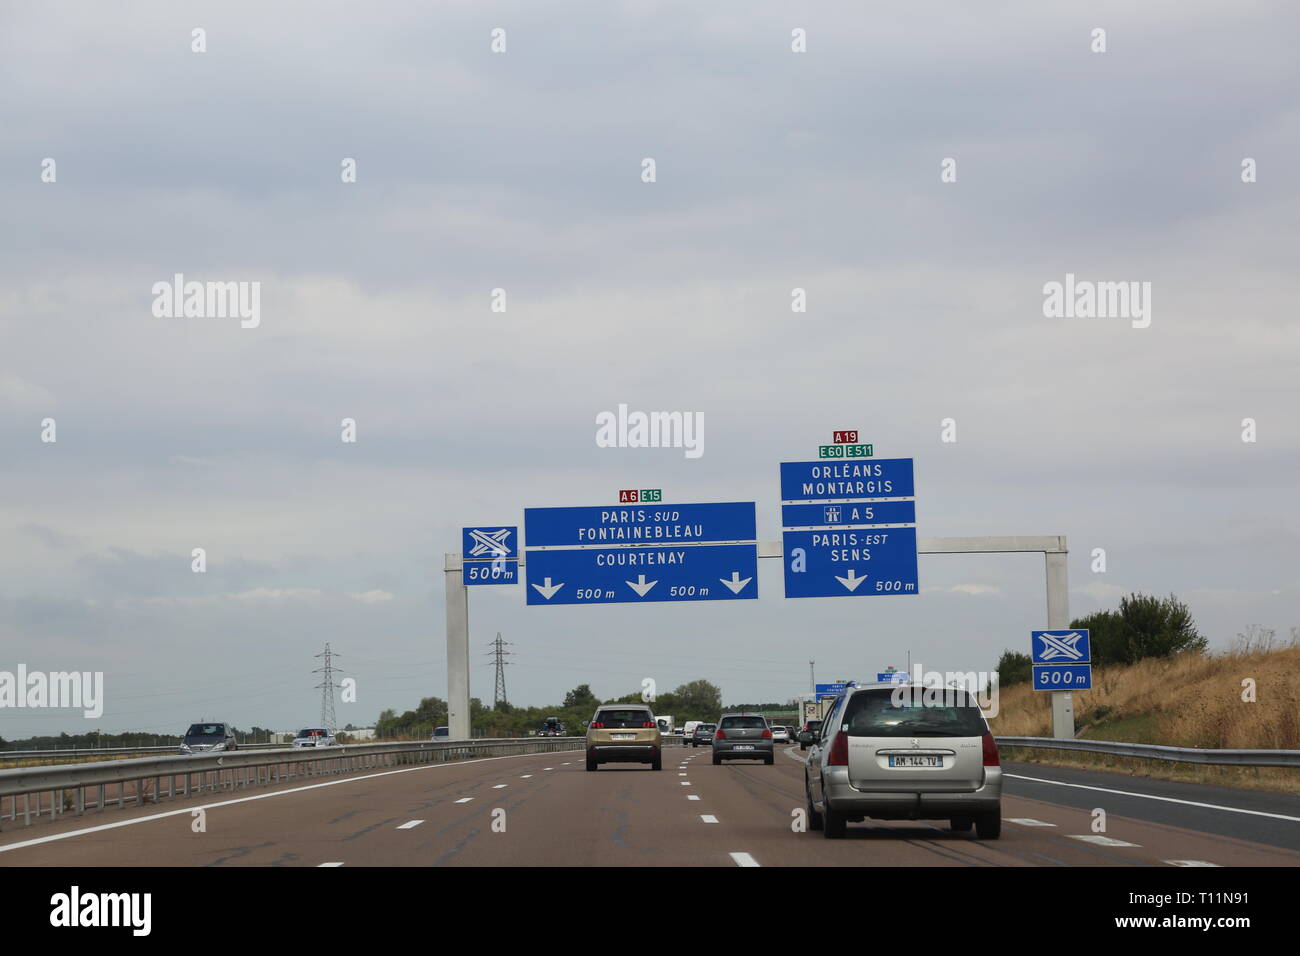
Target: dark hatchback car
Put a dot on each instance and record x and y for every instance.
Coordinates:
(208, 738)
(811, 731)
(702, 736)
(744, 737)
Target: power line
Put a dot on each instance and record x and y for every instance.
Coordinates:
(327, 685)
(499, 694)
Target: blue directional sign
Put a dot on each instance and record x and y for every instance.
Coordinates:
(487, 543)
(853, 563)
(640, 575)
(893, 677)
(1060, 647)
(613, 525)
(1062, 676)
(496, 571)
(825, 480)
(848, 513)
(829, 690)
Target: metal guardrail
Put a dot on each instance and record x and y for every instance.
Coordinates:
(8, 755)
(139, 781)
(1232, 758)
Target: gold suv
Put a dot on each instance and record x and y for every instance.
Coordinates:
(624, 733)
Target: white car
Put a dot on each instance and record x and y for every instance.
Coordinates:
(314, 737)
(780, 735)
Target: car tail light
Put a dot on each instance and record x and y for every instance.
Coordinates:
(839, 755)
(720, 735)
(597, 725)
(991, 752)
(767, 735)
(648, 723)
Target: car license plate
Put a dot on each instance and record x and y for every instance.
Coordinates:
(623, 736)
(923, 761)
(743, 747)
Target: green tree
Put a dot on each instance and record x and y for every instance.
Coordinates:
(581, 698)
(1014, 668)
(1143, 626)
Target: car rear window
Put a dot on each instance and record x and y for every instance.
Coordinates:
(622, 718)
(206, 730)
(744, 723)
(877, 713)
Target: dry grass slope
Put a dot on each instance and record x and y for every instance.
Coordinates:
(1187, 700)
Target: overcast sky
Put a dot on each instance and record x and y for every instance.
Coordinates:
(522, 170)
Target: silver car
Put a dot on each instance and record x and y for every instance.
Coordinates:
(904, 753)
(742, 737)
(314, 737)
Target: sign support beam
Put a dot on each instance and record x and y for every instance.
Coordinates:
(1053, 548)
(458, 726)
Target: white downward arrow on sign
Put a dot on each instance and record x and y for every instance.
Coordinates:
(641, 586)
(736, 582)
(852, 581)
(548, 590)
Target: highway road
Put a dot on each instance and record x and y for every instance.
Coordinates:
(546, 809)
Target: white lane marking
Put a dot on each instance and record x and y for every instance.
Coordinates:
(1151, 796)
(565, 764)
(1188, 863)
(464, 799)
(1029, 822)
(411, 825)
(708, 818)
(548, 768)
(744, 859)
(257, 796)
(525, 776)
(681, 775)
(685, 783)
(691, 796)
(339, 863)
(1100, 840)
(500, 786)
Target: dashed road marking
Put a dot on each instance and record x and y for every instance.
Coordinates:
(464, 799)
(744, 859)
(1029, 822)
(1152, 796)
(691, 796)
(500, 786)
(708, 818)
(339, 863)
(525, 776)
(1188, 863)
(1100, 840)
(410, 825)
(685, 783)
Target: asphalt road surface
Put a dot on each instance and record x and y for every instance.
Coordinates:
(546, 809)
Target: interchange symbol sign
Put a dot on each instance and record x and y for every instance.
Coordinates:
(491, 543)
(1069, 647)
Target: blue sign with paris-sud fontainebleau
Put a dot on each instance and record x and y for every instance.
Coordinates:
(617, 525)
(829, 690)
(491, 554)
(723, 572)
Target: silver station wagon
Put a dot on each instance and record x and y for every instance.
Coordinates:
(898, 752)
